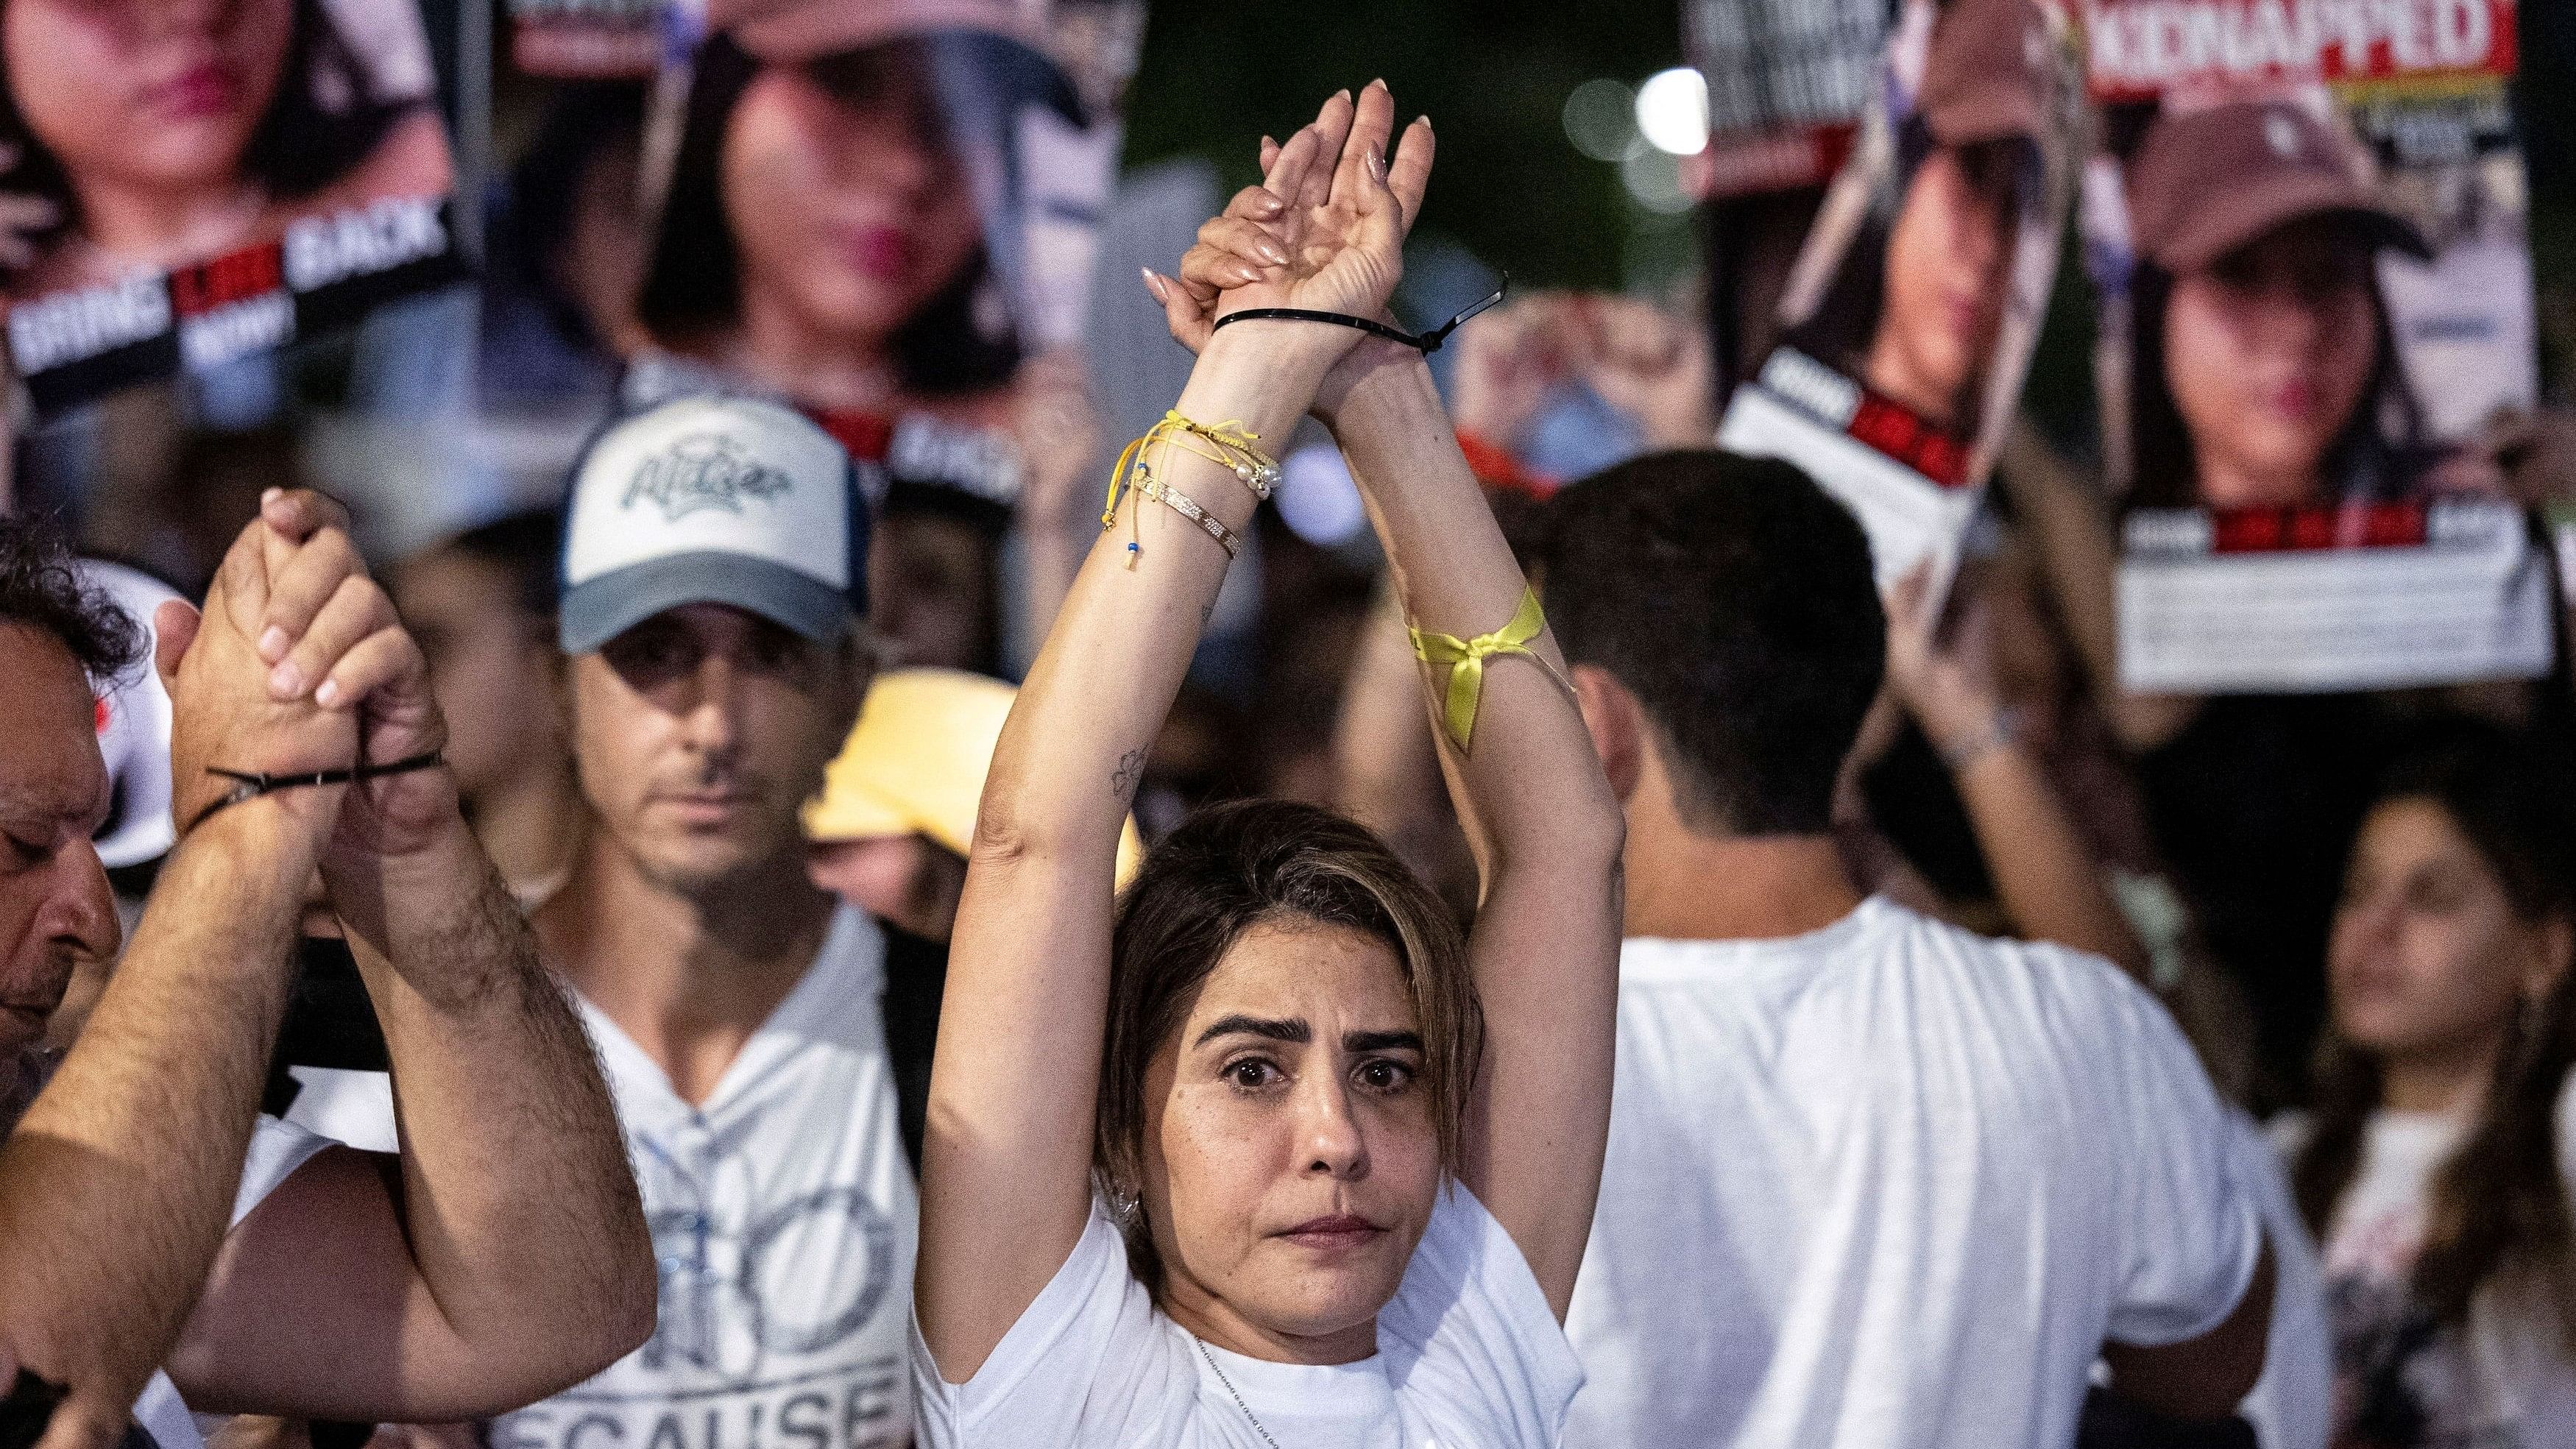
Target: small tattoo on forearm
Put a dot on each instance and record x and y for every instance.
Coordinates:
(1131, 769)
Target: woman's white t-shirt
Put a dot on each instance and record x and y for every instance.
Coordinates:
(2504, 1382)
(1469, 1357)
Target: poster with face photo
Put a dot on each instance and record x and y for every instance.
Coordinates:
(929, 178)
(220, 177)
(2305, 220)
(1909, 319)
(1788, 81)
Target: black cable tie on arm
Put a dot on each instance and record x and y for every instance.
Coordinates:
(248, 785)
(1426, 344)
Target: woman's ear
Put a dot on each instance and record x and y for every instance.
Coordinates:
(1617, 724)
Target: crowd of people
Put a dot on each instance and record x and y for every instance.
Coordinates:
(824, 938)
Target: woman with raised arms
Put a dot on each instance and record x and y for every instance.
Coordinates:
(1261, 1153)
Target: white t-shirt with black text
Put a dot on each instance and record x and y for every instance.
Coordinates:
(1469, 1357)
(784, 1219)
(1893, 1184)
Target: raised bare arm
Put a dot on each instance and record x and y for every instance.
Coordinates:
(1540, 816)
(503, 1256)
(1006, 1166)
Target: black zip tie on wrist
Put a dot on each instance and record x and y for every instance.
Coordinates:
(1426, 344)
(250, 786)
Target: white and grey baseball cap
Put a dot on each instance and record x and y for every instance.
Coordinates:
(712, 500)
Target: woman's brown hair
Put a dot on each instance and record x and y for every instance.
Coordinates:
(2499, 1204)
(1225, 870)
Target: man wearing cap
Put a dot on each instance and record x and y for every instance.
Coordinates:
(712, 617)
(2260, 327)
(1968, 156)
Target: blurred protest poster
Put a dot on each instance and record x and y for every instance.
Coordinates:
(929, 179)
(588, 39)
(1908, 320)
(194, 183)
(2305, 220)
(1787, 82)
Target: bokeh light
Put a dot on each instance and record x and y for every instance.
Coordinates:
(1601, 120)
(1672, 111)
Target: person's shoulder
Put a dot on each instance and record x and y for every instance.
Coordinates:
(2056, 983)
(1945, 946)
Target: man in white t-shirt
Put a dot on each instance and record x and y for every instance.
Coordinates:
(512, 1257)
(712, 616)
(1871, 1180)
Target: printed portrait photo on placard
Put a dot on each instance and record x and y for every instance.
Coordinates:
(887, 215)
(1788, 81)
(1909, 319)
(2317, 299)
(209, 178)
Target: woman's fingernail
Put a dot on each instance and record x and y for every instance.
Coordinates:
(328, 695)
(1271, 252)
(286, 681)
(273, 645)
(1376, 164)
(1154, 284)
(271, 496)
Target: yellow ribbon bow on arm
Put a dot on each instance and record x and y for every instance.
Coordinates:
(1466, 660)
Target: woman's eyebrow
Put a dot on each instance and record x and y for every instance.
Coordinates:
(1287, 1029)
(1379, 1041)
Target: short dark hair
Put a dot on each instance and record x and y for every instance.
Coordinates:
(42, 589)
(1221, 872)
(1735, 600)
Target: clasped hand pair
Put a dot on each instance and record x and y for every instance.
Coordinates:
(1324, 231)
(298, 664)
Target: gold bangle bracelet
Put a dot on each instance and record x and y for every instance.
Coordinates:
(1182, 504)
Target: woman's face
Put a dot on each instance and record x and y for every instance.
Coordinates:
(930, 590)
(1290, 1155)
(2268, 351)
(1946, 260)
(2428, 960)
(847, 218)
(490, 665)
(146, 93)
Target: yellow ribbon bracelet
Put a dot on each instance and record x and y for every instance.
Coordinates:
(1466, 660)
(1234, 452)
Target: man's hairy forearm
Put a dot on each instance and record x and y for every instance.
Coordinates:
(492, 1066)
(118, 1185)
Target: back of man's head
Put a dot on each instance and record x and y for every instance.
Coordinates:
(1735, 601)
